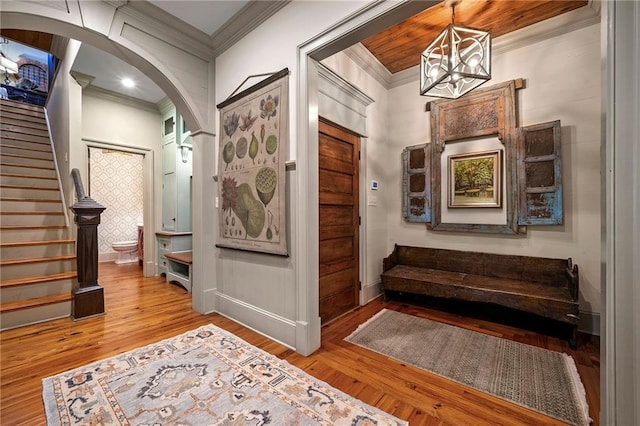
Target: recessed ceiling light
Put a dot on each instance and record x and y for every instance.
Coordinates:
(127, 82)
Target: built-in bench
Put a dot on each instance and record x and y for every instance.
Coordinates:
(542, 286)
(179, 268)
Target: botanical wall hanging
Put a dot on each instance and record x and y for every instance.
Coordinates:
(253, 142)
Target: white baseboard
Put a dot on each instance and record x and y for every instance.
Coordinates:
(371, 291)
(209, 299)
(149, 268)
(589, 323)
(266, 323)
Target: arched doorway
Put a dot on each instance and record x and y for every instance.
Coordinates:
(181, 65)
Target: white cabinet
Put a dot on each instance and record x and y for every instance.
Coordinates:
(175, 233)
(171, 242)
(176, 171)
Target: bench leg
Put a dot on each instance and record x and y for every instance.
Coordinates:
(573, 339)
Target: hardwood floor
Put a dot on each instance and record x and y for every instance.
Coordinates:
(141, 311)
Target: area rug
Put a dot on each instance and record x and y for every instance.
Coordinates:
(542, 380)
(203, 377)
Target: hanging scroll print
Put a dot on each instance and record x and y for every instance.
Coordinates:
(251, 169)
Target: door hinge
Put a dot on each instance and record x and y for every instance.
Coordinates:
(359, 220)
(359, 155)
(360, 284)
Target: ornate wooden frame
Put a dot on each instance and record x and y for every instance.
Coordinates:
(484, 112)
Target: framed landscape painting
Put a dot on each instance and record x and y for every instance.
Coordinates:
(253, 143)
(474, 179)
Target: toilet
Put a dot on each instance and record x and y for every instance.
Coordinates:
(127, 251)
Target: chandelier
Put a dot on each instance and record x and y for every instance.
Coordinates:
(456, 62)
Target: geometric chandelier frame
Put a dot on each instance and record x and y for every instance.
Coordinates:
(457, 61)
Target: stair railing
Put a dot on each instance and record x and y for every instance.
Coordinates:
(88, 295)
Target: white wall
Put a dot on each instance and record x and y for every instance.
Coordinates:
(119, 122)
(563, 81)
(64, 111)
(256, 289)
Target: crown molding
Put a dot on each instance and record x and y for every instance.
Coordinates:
(553, 27)
(365, 59)
(549, 28)
(108, 95)
(243, 22)
(84, 80)
(409, 75)
(330, 77)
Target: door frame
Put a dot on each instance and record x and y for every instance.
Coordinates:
(149, 267)
(365, 22)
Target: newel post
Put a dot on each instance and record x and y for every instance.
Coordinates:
(88, 295)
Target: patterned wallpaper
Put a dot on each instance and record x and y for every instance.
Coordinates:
(116, 181)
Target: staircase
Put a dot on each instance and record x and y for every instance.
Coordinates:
(37, 254)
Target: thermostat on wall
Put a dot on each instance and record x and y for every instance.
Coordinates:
(374, 185)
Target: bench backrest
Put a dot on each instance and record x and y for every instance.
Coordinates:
(525, 268)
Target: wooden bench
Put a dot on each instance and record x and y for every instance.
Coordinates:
(179, 268)
(542, 286)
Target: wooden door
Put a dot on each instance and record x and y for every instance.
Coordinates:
(339, 220)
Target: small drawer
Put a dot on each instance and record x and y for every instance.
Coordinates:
(162, 252)
(164, 244)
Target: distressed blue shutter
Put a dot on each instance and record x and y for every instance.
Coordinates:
(416, 183)
(540, 174)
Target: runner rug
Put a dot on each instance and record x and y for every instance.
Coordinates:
(203, 377)
(536, 378)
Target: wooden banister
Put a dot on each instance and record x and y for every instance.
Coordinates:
(88, 295)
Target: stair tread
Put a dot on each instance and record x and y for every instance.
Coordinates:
(29, 187)
(36, 302)
(28, 176)
(26, 157)
(33, 213)
(24, 148)
(30, 200)
(35, 243)
(9, 138)
(22, 105)
(26, 132)
(38, 279)
(26, 166)
(29, 125)
(29, 227)
(37, 260)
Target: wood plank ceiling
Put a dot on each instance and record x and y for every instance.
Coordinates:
(35, 39)
(400, 46)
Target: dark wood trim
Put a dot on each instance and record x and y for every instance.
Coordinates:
(274, 77)
(501, 122)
